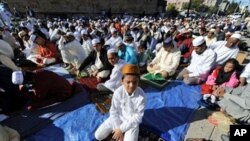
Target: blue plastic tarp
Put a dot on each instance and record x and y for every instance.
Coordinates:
(29, 122)
(168, 113)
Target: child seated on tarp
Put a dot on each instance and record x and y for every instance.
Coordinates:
(127, 108)
(224, 76)
(143, 57)
(42, 87)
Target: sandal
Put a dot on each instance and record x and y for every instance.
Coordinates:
(82, 74)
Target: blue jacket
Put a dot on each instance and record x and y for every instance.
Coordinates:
(129, 55)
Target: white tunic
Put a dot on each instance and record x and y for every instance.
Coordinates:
(246, 73)
(5, 49)
(201, 64)
(87, 46)
(223, 53)
(167, 61)
(72, 52)
(127, 110)
(116, 76)
(113, 41)
(98, 62)
(53, 35)
(77, 35)
(210, 41)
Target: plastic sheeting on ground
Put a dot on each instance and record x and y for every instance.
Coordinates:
(28, 123)
(58, 69)
(168, 113)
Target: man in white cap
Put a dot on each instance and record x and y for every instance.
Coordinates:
(226, 49)
(97, 64)
(114, 39)
(71, 51)
(86, 42)
(210, 38)
(115, 78)
(202, 61)
(166, 61)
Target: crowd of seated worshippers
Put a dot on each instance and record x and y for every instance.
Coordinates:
(99, 49)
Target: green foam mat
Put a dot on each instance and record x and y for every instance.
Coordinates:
(154, 80)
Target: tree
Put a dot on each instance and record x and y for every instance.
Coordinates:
(213, 10)
(171, 10)
(231, 8)
(196, 5)
(202, 8)
(185, 6)
(170, 7)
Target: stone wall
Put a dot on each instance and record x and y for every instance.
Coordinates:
(86, 6)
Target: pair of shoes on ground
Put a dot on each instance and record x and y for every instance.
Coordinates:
(209, 105)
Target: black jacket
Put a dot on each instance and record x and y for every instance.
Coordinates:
(91, 60)
(10, 97)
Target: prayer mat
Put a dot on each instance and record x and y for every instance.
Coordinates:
(155, 80)
(104, 107)
(102, 101)
(89, 82)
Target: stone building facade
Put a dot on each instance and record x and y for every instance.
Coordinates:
(87, 6)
